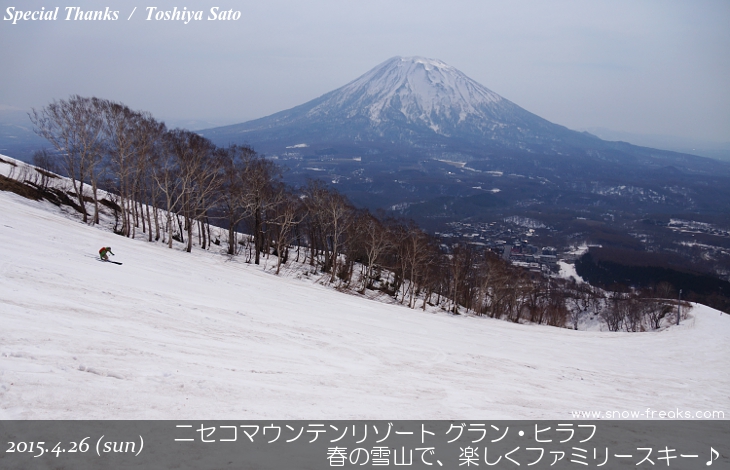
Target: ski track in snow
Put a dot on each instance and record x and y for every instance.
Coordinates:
(172, 335)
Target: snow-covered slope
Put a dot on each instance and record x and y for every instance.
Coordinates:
(176, 335)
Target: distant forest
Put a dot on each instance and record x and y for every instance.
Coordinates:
(616, 268)
(172, 185)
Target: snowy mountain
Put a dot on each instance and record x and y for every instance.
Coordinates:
(416, 89)
(175, 335)
(407, 100)
(414, 108)
(418, 134)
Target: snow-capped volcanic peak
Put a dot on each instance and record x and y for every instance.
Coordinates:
(421, 90)
(405, 100)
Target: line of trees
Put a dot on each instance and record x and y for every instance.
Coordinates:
(172, 184)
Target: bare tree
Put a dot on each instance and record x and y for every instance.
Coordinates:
(615, 312)
(580, 299)
(656, 305)
(376, 241)
(314, 196)
(148, 141)
(259, 175)
(46, 166)
(416, 253)
(233, 189)
(460, 262)
(286, 214)
(487, 271)
(199, 176)
(168, 177)
(336, 211)
(120, 123)
(74, 127)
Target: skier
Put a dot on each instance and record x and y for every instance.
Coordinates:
(104, 251)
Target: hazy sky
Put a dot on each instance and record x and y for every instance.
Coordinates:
(659, 67)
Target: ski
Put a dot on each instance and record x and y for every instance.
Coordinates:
(110, 261)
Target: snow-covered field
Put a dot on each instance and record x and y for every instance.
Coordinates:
(567, 270)
(175, 335)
